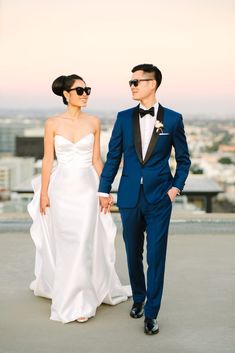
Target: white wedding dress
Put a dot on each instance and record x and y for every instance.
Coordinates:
(75, 254)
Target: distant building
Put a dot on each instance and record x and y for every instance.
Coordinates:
(14, 170)
(10, 128)
(200, 191)
(29, 147)
(226, 148)
(4, 177)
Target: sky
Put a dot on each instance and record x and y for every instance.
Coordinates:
(191, 41)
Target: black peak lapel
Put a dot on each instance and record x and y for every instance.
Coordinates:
(137, 134)
(155, 134)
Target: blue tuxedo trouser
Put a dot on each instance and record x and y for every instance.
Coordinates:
(153, 219)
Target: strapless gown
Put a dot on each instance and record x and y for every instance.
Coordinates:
(75, 253)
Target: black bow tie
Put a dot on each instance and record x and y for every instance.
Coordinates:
(143, 112)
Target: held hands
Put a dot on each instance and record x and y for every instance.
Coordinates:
(106, 203)
(44, 202)
(173, 192)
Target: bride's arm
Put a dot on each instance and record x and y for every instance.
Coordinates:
(96, 158)
(98, 165)
(47, 164)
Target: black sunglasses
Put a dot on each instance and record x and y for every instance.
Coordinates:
(81, 90)
(136, 82)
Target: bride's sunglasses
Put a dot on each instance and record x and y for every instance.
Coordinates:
(81, 90)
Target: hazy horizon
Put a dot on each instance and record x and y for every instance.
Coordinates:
(44, 113)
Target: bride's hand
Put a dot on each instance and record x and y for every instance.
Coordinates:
(105, 203)
(110, 200)
(44, 202)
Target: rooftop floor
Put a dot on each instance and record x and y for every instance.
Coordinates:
(197, 313)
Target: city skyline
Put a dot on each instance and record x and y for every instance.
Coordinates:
(190, 41)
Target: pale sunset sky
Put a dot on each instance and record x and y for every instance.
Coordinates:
(191, 41)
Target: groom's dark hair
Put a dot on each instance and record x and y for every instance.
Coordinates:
(150, 68)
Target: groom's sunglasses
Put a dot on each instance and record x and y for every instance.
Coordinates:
(136, 82)
(81, 90)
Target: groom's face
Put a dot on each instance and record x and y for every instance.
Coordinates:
(144, 89)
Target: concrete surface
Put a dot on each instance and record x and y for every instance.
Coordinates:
(197, 314)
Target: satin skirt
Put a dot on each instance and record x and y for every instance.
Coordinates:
(75, 250)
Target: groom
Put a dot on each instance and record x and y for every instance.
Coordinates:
(144, 136)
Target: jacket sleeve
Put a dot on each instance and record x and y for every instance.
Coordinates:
(114, 157)
(181, 155)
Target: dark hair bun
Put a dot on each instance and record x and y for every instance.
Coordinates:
(58, 85)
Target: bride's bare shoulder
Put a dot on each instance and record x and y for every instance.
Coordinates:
(94, 120)
(52, 121)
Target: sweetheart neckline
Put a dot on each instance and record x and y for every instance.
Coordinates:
(74, 143)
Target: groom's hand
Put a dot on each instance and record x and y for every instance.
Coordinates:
(106, 203)
(173, 192)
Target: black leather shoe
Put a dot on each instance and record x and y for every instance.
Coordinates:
(151, 326)
(137, 310)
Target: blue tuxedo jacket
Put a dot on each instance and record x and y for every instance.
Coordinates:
(154, 168)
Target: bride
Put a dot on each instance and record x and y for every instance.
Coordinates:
(75, 254)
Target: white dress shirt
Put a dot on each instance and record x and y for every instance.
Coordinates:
(146, 128)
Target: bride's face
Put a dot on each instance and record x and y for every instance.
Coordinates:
(77, 96)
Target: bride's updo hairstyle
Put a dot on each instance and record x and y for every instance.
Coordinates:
(64, 83)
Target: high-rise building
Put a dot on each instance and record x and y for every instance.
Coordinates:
(10, 128)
